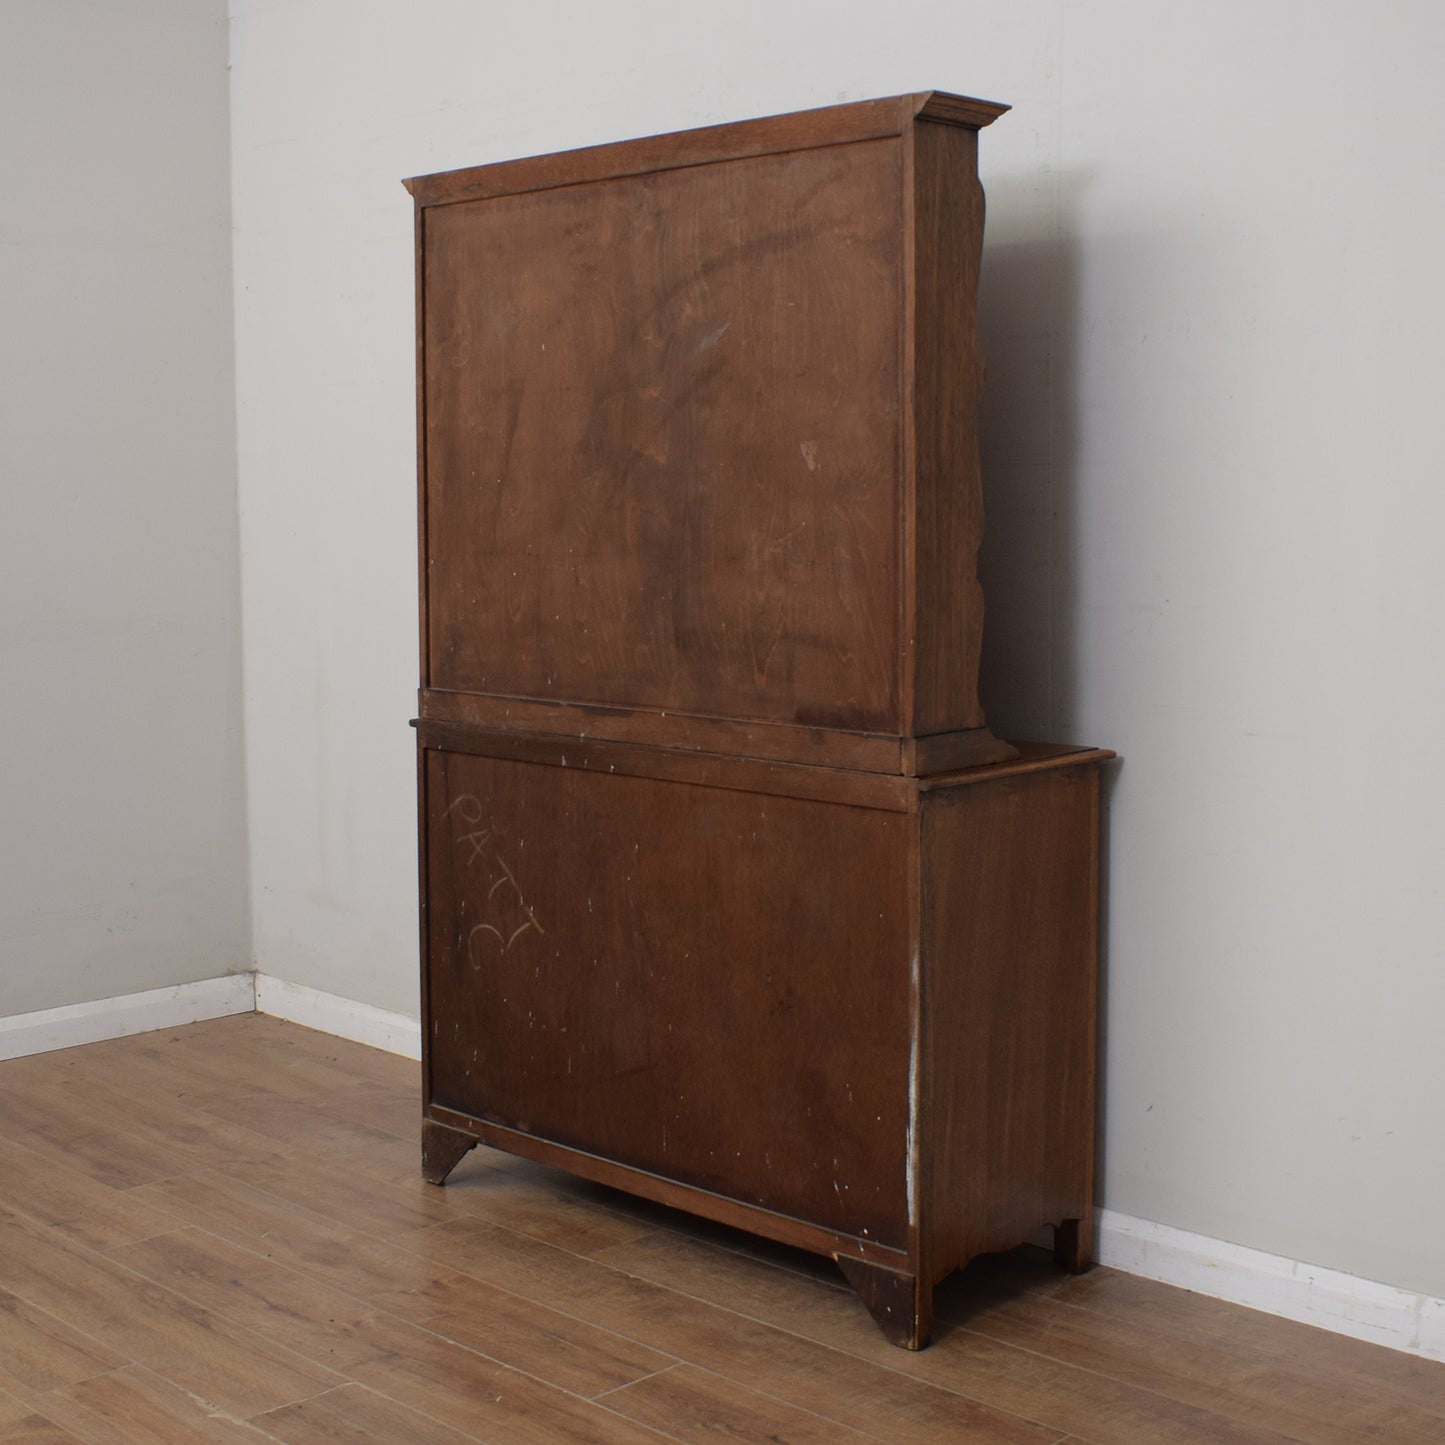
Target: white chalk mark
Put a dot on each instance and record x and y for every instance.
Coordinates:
(713, 337)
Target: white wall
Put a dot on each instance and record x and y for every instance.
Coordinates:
(1213, 451)
(122, 831)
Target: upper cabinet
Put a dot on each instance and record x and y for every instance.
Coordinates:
(698, 437)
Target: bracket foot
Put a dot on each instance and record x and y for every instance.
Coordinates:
(441, 1149)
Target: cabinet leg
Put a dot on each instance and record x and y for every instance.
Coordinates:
(1074, 1244)
(441, 1149)
(901, 1305)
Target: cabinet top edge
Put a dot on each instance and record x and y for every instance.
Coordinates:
(1033, 758)
(798, 130)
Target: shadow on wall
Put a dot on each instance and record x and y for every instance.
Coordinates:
(1030, 333)
(1028, 328)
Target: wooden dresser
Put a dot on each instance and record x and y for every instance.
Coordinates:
(729, 896)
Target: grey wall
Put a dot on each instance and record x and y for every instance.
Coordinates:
(122, 815)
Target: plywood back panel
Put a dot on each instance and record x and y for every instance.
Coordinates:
(649, 971)
(662, 440)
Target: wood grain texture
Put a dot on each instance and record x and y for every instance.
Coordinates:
(601, 528)
(601, 1291)
(699, 1407)
(700, 513)
(1209, 1323)
(776, 742)
(821, 748)
(727, 1272)
(354, 1262)
(36, 1429)
(901, 1304)
(1010, 952)
(827, 126)
(441, 1150)
(241, 1371)
(800, 130)
(374, 1207)
(135, 1404)
(947, 377)
(518, 1194)
(40, 1352)
(948, 752)
(332, 1326)
(964, 110)
(647, 1187)
(705, 770)
(583, 960)
(354, 1415)
(640, 980)
(72, 1201)
(698, 453)
(578, 1357)
(781, 1362)
(316, 1321)
(12, 1408)
(1237, 1382)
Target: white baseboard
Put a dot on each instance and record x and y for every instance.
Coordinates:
(133, 1013)
(1344, 1303)
(211, 998)
(329, 1013)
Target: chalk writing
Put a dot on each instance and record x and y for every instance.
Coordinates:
(508, 914)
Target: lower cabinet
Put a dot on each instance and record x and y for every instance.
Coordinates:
(849, 1011)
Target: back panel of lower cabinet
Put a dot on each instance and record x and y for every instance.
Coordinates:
(705, 983)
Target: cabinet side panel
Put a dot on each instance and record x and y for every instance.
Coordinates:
(704, 983)
(1010, 947)
(948, 374)
(662, 440)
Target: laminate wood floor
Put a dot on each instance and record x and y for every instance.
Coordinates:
(219, 1232)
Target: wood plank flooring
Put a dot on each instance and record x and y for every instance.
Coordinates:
(220, 1233)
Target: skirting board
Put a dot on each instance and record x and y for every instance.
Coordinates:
(1344, 1303)
(68, 1027)
(329, 1013)
(132, 1013)
(1325, 1298)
